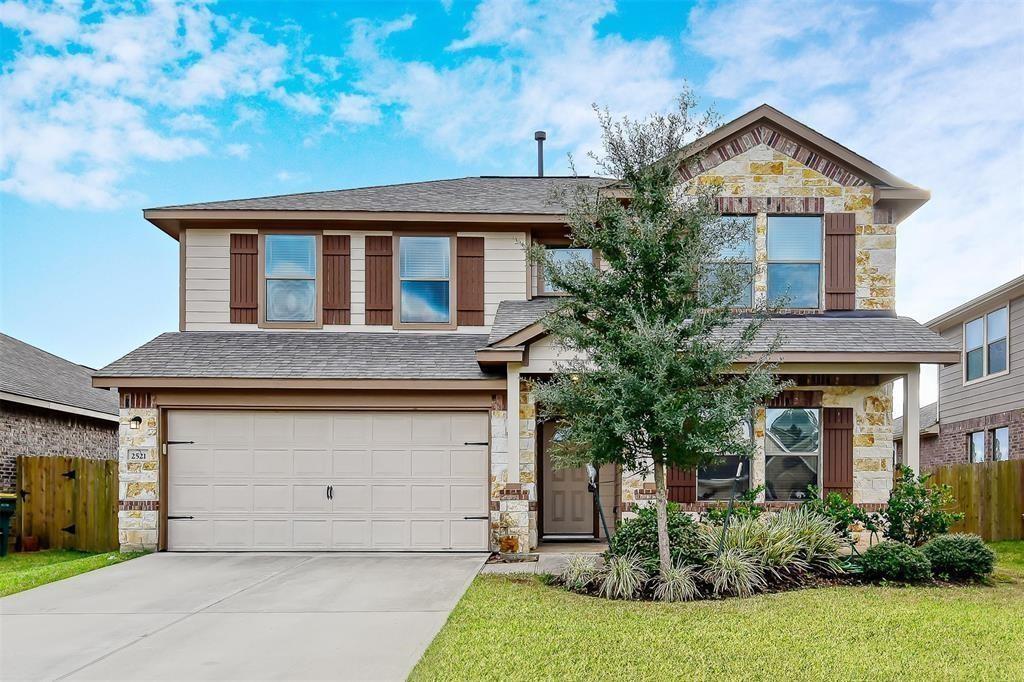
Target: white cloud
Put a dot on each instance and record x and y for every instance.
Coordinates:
(86, 98)
(291, 177)
(936, 98)
(358, 109)
(238, 150)
(550, 66)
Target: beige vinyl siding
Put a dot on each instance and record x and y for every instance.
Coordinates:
(504, 269)
(544, 355)
(989, 396)
(207, 280)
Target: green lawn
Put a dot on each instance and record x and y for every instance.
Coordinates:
(523, 629)
(31, 569)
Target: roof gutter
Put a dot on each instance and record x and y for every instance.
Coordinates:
(57, 407)
(281, 383)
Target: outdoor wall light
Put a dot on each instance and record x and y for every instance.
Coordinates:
(135, 423)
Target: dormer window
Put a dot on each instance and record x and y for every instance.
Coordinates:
(794, 261)
(985, 345)
(290, 264)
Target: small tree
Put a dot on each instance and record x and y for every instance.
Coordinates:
(657, 384)
(918, 511)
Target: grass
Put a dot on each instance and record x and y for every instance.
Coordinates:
(24, 571)
(521, 628)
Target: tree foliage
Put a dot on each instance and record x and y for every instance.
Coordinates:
(654, 329)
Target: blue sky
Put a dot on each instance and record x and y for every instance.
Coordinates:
(109, 108)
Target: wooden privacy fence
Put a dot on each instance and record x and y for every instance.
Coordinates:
(990, 495)
(68, 502)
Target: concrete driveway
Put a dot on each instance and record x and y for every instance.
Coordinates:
(235, 617)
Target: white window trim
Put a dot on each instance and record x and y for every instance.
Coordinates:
(984, 347)
(820, 262)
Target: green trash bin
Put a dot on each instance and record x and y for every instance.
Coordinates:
(7, 505)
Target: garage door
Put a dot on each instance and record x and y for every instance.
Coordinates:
(290, 480)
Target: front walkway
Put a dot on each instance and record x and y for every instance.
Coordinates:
(551, 558)
(235, 616)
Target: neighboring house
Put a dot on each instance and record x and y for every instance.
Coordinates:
(48, 406)
(929, 434)
(980, 410)
(354, 369)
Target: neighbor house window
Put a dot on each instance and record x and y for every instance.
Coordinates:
(792, 452)
(424, 270)
(1001, 444)
(563, 255)
(290, 277)
(794, 261)
(976, 445)
(741, 255)
(715, 482)
(985, 347)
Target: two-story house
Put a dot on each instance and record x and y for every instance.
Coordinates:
(979, 414)
(354, 369)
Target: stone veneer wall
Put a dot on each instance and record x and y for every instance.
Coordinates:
(34, 431)
(139, 481)
(872, 447)
(763, 172)
(514, 504)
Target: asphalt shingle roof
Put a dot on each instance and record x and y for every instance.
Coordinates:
(304, 355)
(461, 195)
(513, 316)
(835, 334)
(929, 417)
(33, 373)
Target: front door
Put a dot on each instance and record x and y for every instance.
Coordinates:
(568, 504)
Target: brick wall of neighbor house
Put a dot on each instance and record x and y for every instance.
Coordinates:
(34, 431)
(514, 504)
(761, 171)
(872, 447)
(951, 445)
(139, 480)
(930, 451)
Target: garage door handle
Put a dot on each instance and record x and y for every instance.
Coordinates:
(482, 442)
(172, 518)
(474, 518)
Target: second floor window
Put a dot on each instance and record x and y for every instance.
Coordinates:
(742, 255)
(794, 261)
(985, 347)
(563, 255)
(290, 274)
(424, 271)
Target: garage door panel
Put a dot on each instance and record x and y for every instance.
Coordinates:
(232, 498)
(259, 480)
(271, 498)
(352, 463)
(433, 463)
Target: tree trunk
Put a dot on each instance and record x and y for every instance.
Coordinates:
(661, 507)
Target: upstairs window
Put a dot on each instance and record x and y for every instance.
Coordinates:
(794, 261)
(985, 345)
(741, 255)
(563, 255)
(290, 265)
(424, 271)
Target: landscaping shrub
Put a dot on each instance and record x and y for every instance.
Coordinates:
(579, 572)
(843, 512)
(733, 572)
(745, 507)
(680, 584)
(896, 562)
(639, 536)
(623, 577)
(817, 534)
(917, 512)
(959, 557)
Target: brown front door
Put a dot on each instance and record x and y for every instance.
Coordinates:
(568, 505)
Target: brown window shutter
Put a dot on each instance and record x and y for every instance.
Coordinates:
(337, 279)
(379, 271)
(840, 261)
(682, 485)
(469, 287)
(837, 451)
(245, 278)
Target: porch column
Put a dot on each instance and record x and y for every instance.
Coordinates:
(912, 419)
(512, 417)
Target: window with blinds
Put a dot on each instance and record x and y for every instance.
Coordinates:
(290, 274)
(424, 271)
(794, 261)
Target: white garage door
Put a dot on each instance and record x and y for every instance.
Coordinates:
(289, 480)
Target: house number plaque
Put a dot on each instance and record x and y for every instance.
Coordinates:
(137, 455)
